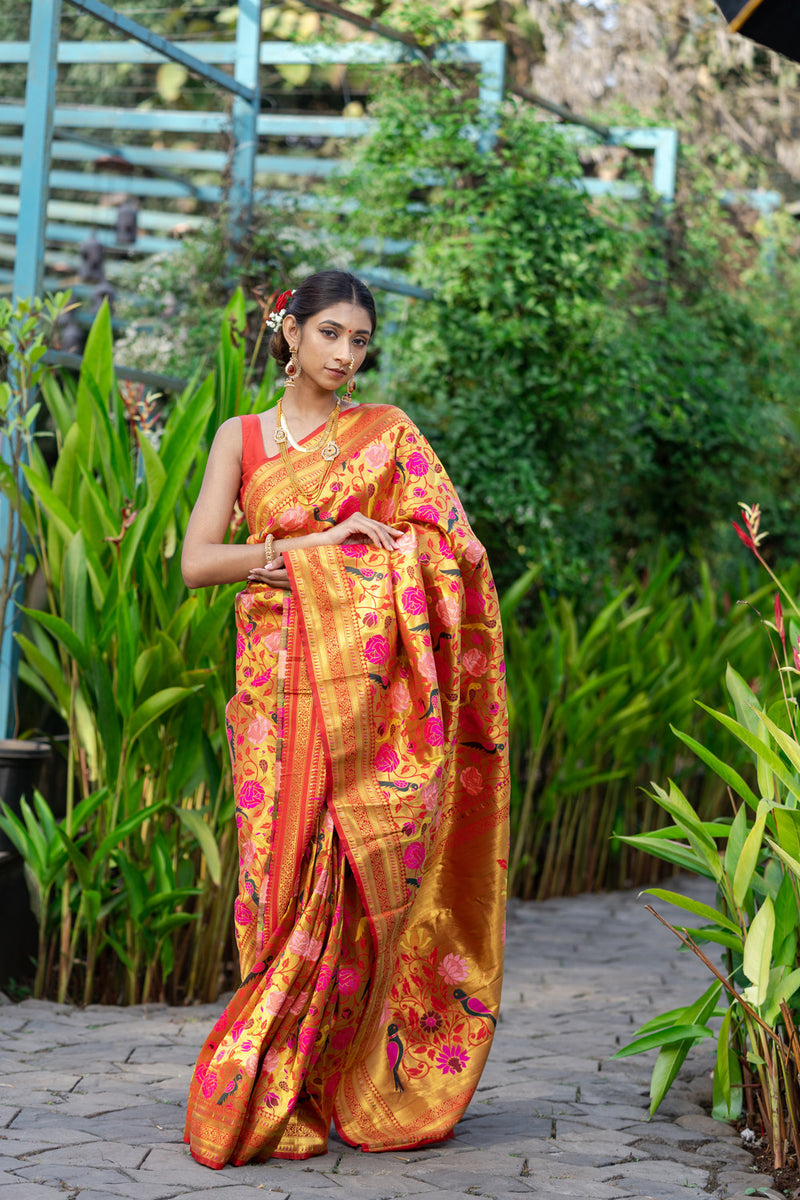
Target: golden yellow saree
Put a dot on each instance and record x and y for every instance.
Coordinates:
(368, 738)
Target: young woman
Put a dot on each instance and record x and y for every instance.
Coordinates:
(368, 739)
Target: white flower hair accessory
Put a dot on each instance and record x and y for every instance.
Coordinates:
(278, 311)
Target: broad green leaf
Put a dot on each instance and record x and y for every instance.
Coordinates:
(791, 863)
(123, 830)
(136, 888)
(64, 527)
(106, 716)
(763, 752)
(787, 919)
(154, 707)
(676, 804)
(728, 1090)
(673, 1016)
(197, 826)
(664, 1037)
(120, 951)
(78, 860)
(787, 744)
(748, 859)
(48, 669)
(92, 900)
(732, 778)
(744, 700)
(74, 586)
(670, 1058)
(171, 921)
(170, 899)
(707, 933)
(96, 378)
(672, 852)
(62, 632)
(16, 832)
(758, 949)
(87, 807)
(696, 907)
(787, 825)
(516, 593)
(126, 649)
(736, 840)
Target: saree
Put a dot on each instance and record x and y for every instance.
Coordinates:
(368, 737)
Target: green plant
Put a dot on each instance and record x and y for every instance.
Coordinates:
(133, 887)
(594, 374)
(753, 859)
(24, 331)
(588, 701)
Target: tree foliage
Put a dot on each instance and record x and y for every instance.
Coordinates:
(594, 375)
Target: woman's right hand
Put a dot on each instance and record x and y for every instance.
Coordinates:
(358, 528)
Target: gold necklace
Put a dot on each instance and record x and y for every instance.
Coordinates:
(329, 451)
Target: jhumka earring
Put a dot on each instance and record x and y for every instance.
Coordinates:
(292, 370)
(351, 383)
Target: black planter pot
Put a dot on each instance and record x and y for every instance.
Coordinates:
(18, 932)
(21, 764)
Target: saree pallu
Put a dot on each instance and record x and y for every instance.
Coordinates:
(368, 737)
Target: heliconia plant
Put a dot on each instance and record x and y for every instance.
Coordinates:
(133, 887)
(753, 859)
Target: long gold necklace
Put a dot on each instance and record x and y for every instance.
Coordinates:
(329, 451)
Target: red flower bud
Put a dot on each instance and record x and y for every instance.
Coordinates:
(748, 541)
(779, 620)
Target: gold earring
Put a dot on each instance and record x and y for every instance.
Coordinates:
(292, 370)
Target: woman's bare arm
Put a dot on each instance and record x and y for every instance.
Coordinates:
(206, 559)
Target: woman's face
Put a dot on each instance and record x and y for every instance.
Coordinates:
(332, 344)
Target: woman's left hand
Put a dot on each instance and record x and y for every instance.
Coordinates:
(274, 576)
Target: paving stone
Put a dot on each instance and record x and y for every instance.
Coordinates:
(728, 1152)
(659, 1170)
(655, 1190)
(744, 1179)
(232, 1193)
(664, 1131)
(700, 1123)
(92, 1154)
(379, 1187)
(76, 1176)
(453, 1175)
(178, 1166)
(134, 1189)
(32, 1142)
(676, 1154)
(32, 1191)
(107, 1194)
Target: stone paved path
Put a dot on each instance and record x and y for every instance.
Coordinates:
(92, 1101)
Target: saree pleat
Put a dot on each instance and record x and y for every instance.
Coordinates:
(368, 741)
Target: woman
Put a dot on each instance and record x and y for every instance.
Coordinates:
(368, 741)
